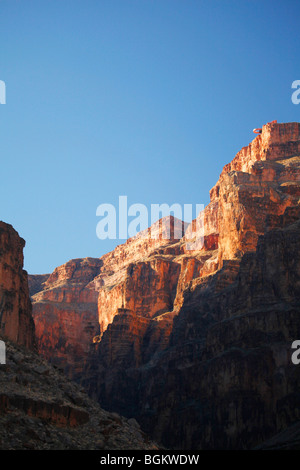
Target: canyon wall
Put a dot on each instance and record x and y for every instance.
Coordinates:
(80, 298)
(39, 408)
(16, 321)
(66, 315)
(217, 370)
(194, 331)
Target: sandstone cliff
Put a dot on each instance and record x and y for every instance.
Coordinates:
(195, 340)
(39, 407)
(236, 344)
(65, 313)
(149, 273)
(16, 321)
(222, 376)
(80, 298)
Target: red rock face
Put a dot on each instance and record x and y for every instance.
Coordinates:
(16, 321)
(142, 274)
(156, 301)
(65, 314)
(262, 180)
(222, 373)
(148, 289)
(80, 299)
(150, 273)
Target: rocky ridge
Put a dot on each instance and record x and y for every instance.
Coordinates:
(149, 273)
(225, 312)
(41, 410)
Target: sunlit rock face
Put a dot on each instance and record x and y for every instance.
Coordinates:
(217, 370)
(65, 314)
(192, 333)
(80, 298)
(39, 408)
(16, 321)
(150, 272)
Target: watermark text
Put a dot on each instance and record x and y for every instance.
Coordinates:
(2, 353)
(296, 354)
(296, 94)
(2, 92)
(165, 222)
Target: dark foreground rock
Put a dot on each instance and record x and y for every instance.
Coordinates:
(41, 409)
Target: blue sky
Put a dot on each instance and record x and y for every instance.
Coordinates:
(144, 98)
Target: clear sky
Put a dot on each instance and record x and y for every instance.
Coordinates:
(144, 98)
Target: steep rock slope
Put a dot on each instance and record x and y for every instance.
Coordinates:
(225, 377)
(41, 410)
(39, 407)
(194, 340)
(218, 370)
(15, 307)
(79, 299)
(149, 273)
(65, 313)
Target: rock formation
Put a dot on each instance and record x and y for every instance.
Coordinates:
(39, 407)
(65, 313)
(197, 340)
(16, 321)
(36, 282)
(41, 410)
(80, 298)
(222, 377)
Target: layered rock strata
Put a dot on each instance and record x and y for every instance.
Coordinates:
(16, 321)
(198, 340)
